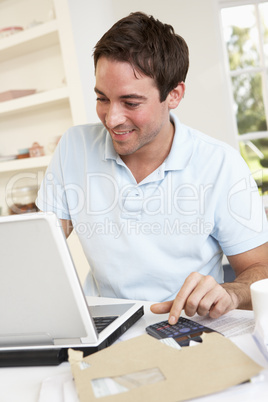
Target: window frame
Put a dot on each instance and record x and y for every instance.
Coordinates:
(261, 69)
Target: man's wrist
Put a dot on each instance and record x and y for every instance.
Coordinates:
(239, 294)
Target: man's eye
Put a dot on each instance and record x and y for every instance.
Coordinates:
(102, 100)
(133, 105)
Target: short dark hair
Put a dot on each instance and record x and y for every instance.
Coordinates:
(151, 47)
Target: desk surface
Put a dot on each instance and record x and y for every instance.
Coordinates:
(24, 384)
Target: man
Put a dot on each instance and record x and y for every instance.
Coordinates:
(155, 203)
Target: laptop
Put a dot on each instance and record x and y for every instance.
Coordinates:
(43, 310)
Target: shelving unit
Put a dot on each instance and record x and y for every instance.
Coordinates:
(25, 164)
(30, 40)
(31, 102)
(36, 58)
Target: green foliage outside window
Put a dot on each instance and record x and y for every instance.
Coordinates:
(248, 80)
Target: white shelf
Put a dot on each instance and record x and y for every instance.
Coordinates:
(38, 58)
(30, 102)
(30, 40)
(24, 164)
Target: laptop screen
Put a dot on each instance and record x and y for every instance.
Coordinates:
(41, 296)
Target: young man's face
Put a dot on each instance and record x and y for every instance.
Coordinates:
(130, 109)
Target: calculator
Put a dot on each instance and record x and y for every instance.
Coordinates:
(183, 332)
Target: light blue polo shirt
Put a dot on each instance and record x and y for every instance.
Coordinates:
(142, 240)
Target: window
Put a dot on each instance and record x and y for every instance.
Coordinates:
(245, 34)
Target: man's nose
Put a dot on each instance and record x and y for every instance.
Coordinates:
(114, 116)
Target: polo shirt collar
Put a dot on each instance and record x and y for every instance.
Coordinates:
(180, 153)
(109, 151)
(182, 147)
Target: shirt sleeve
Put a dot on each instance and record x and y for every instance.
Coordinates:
(240, 219)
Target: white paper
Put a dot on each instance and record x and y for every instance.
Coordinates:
(69, 391)
(234, 323)
(259, 338)
(170, 342)
(59, 388)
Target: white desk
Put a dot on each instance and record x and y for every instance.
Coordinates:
(23, 384)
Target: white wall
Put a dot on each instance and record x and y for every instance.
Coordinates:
(206, 104)
(90, 20)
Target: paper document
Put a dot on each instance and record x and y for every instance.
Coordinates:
(234, 323)
(59, 388)
(259, 338)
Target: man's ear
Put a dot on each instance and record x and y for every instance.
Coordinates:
(176, 95)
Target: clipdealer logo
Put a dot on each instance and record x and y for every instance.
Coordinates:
(186, 199)
(132, 227)
(250, 214)
(100, 194)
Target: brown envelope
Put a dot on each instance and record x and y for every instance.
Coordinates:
(151, 371)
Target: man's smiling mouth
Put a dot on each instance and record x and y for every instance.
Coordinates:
(121, 134)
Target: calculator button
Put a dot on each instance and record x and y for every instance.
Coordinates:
(184, 330)
(162, 328)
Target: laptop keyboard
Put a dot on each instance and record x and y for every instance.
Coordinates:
(102, 322)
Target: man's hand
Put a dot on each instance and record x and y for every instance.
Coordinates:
(203, 295)
(199, 294)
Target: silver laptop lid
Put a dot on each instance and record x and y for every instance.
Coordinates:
(41, 300)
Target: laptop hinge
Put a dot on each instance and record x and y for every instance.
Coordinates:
(67, 341)
(10, 340)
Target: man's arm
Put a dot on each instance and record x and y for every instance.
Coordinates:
(67, 227)
(256, 263)
(203, 295)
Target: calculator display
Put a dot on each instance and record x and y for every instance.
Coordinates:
(184, 331)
